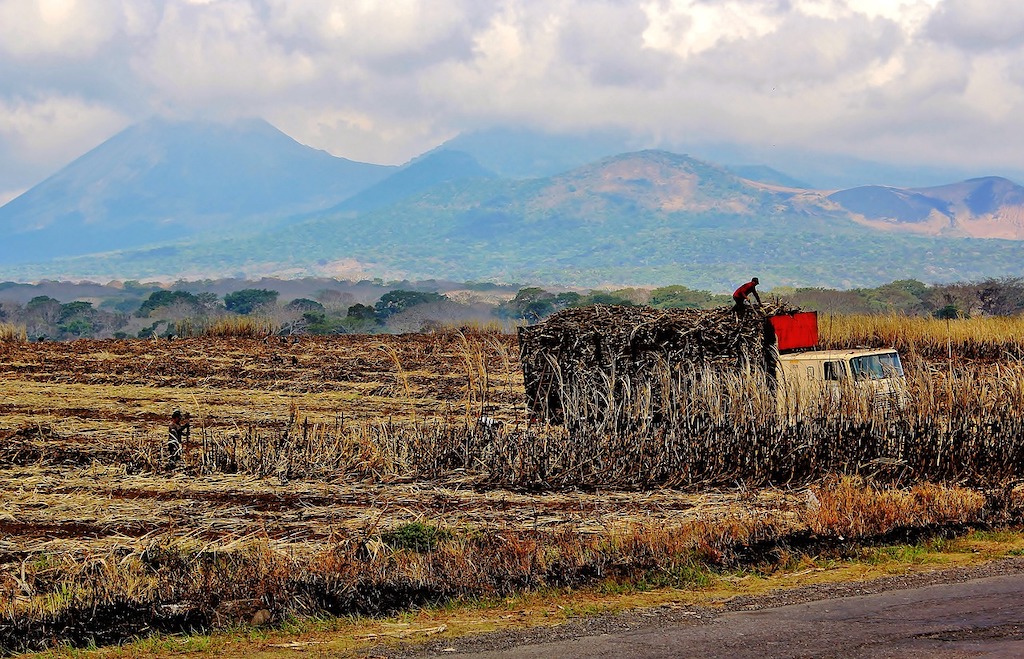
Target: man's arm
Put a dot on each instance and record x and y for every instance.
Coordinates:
(757, 297)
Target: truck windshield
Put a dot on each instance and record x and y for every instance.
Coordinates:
(877, 367)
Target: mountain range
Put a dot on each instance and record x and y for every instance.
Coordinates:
(193, 199)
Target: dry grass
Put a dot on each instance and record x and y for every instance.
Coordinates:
(988, 337)
(12, 333)
(852, 508)
(248, 327)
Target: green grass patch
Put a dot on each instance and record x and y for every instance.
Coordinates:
(415, 536)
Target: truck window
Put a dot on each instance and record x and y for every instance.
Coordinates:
(877, 367)
(835, 370)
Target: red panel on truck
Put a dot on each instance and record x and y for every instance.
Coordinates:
(797, 330)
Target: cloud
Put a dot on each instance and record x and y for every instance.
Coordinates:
(387, 37)
(605, 42)
(54, 128)
(978, 25)
(35, 133)
(384, 81)
(216, 57)
(61, 28)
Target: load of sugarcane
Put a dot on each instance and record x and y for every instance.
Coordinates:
(627, 360)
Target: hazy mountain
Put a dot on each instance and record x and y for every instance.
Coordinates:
(979, 196)
(650, 217)
(647, 217)
(652, 181)
(160, 180)
(421, 174)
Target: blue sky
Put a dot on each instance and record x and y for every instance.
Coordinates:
(916, 82)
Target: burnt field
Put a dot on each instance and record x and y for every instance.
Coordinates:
(353, 474)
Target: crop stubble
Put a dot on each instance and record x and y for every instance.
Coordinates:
(83, 402)
(82, 423)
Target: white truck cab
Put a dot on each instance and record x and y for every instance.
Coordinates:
(875, 374)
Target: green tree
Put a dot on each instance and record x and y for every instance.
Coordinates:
(78, 327)
(530, 304)
(151, 331)
(319, 322)
(44, 308)
(398, 301)
(207, 300)
(904, 295)
(604, 297)
(248, 300)
(72, 309)
(681, 297)
(362, 312)
(567, 299)
(948, 312)
(304, 305)
(161, 299)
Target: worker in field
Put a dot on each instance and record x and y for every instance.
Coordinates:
(178, 432)
(741, 294)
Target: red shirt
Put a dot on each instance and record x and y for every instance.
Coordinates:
(743, 291)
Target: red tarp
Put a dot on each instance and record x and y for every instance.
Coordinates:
(798, 330)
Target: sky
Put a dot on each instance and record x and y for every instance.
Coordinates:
(937, 82)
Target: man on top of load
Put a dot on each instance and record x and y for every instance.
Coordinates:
(741, 294)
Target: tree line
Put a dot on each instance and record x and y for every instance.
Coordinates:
(400, 310)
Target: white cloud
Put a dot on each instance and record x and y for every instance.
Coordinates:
(689, 27)
(358, 135)
(55, 128)
(218, 55)
(58, 28)
(978, 25)
(373, 29)
(925, 79)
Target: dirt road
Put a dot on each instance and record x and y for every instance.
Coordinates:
(982, 616)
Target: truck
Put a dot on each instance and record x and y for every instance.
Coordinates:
(801, 369)
(598, 358)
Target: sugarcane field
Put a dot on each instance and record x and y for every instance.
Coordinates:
(311, 476)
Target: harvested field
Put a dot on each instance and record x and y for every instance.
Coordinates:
(82, 420)
(310, 457)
